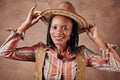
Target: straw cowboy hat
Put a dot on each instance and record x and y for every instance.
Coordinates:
(65, 9)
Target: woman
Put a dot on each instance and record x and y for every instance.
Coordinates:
(61, 52)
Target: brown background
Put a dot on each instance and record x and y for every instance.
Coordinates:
(106, 14)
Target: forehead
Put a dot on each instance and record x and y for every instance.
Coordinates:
(62, 19)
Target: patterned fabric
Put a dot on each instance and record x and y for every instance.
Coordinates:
(55, 67)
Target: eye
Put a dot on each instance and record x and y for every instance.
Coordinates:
(54, 27)
(65, 28)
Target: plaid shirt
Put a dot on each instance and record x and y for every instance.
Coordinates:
(54, 67)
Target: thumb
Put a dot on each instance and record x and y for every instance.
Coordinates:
(36, 20)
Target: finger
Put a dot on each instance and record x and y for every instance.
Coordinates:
(94, 23)
(33, 8)
(36, 20)
(37, 13)
(86, 30)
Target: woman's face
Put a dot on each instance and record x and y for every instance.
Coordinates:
(60, 30)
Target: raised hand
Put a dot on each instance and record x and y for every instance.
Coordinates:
(32, 18)
(92, 32)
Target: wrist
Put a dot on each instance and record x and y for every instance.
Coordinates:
(100, 43)
(96, 38)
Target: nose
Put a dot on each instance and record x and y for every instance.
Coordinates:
(59, 31)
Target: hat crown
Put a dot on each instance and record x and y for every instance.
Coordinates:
(67, 6)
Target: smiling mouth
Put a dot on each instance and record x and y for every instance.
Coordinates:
(58, 38)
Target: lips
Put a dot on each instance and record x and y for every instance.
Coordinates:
(58, 38)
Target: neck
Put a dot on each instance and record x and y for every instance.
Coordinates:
(62, 49)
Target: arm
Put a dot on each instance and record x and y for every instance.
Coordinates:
(109, 61)
(98, 62)
(8, 48)
(32, 18)
(92, 32)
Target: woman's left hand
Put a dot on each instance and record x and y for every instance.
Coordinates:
(92, 31)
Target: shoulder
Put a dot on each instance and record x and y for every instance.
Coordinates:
(80, 51)
(81, 47)
(39, 45)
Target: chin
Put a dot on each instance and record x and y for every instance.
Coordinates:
(58, 43)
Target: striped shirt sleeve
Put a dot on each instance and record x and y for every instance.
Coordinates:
(9, 50)
(109, 61)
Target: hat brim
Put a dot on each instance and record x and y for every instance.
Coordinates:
(46, 14)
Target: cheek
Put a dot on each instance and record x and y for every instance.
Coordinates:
(68, 35)
(51, 32)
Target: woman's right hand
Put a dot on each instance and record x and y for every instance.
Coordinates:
(32, 18)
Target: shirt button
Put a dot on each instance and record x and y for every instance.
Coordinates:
(83, 60)
(78, 70)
